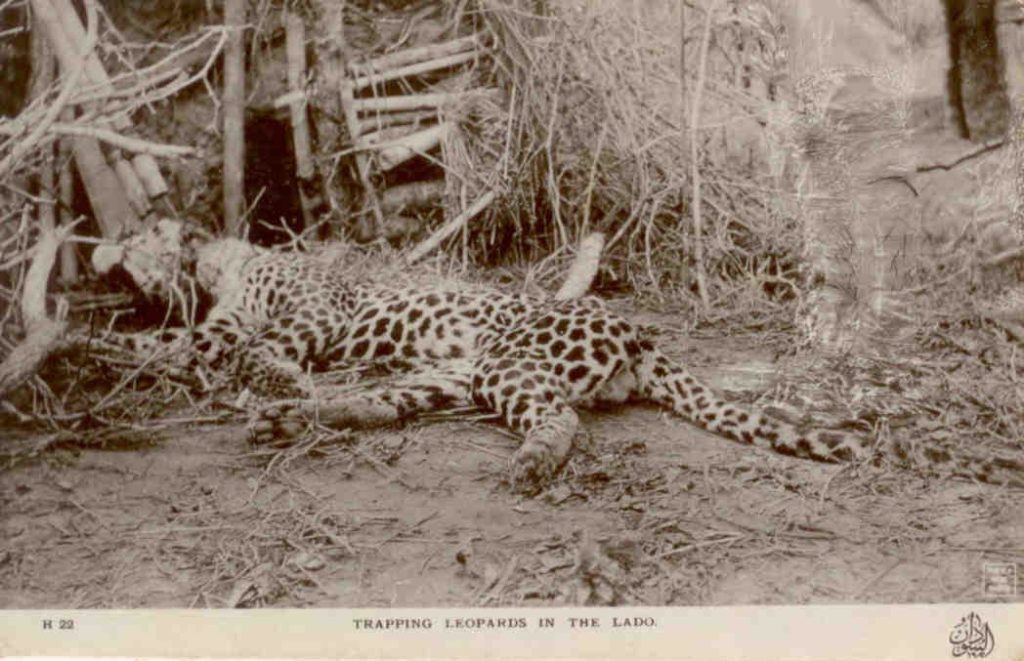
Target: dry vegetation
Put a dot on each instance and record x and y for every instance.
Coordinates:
(695, 181)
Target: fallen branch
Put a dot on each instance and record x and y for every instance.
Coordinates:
(414, 69)
(133, 187)
(134, 145)
(72, 73)
(416, 193)
(407, 101)
(42, 334)
(77, 36)
(450, 227)
(396, 152)
(383, 120)
(411, 55)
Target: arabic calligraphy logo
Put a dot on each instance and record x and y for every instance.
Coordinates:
(972, 637)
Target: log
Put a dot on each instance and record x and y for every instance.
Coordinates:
(133, 187)
(383, 120)
(414, 69)
(94, 70)
(411, 55)
(110, 205)
(234, 118)
(149, 175)
(75, 33)
(42, 334)
(414, 194)
(406, 102)
(106, 194)
(394, 153)
(450, 227)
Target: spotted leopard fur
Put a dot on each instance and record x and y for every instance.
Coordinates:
(534, 362)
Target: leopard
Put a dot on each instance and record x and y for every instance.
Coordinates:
(533, 362)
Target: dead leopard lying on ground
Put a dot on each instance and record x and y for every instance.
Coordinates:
(533, 362)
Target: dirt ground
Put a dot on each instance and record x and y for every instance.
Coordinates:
(650, 510)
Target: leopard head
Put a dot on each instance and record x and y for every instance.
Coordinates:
(219, 264)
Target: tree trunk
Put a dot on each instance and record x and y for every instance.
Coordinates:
(234, 118)
(976, 87)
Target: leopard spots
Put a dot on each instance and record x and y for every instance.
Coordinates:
(532, 361)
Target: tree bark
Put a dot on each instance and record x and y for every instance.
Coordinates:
(976, 87)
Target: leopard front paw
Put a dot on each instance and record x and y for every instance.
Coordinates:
(278, 424)
(533, 465)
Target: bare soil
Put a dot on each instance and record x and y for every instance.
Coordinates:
(650, 510)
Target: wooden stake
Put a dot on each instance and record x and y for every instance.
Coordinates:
(234, 118)
(295, 45)
(369, 225)
(68, 258)
(42, 334)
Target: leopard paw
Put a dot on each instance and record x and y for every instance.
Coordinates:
(533, 465)
(277, 423)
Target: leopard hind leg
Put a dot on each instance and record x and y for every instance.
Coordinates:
(532, 400)
(400, 399)
(670, 385)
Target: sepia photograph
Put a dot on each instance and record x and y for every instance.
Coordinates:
(502, 305)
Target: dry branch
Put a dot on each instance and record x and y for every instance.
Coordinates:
(406, 102)
(42, 334)
(414, 69)
(379, 121)
(76, 34)
(149, 175)
(416, 193)
(134, 145)
(107, 196)
(396, 152)
(412, 55)
(133, 187)
(450, 227)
